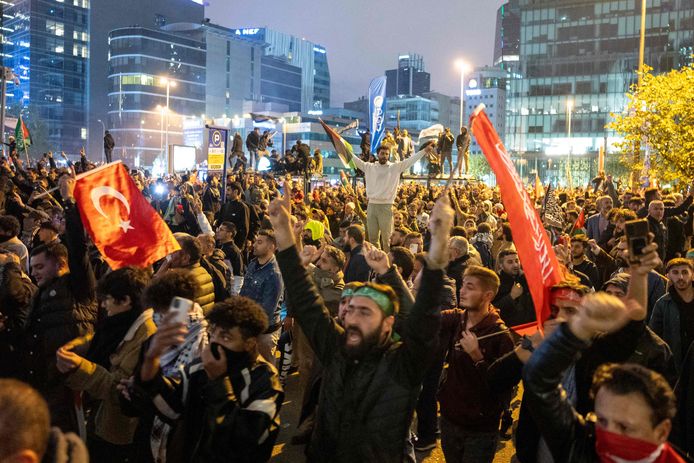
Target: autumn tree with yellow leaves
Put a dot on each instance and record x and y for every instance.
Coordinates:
(659, 117)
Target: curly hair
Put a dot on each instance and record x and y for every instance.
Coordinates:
(163, 288)
(241, 312)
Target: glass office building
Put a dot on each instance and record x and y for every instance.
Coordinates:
(233, 71)
(47, 46)
(507, 38)
(578, 59)
(280, 82)
(410, 78)
(137, 115)
(311, 58)
(108, 15)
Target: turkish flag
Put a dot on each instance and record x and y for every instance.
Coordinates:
(119, 220)
(542, 270)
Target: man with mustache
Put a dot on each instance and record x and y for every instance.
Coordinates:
(371, 382)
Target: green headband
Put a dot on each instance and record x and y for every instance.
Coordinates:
(381, 300)
(347, 292)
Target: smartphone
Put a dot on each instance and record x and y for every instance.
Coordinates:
(181, 307)
(637, 238)
(414, 248)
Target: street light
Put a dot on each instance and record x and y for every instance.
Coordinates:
(168, 83)
(569, 113)
(161, 110)
(642, 41)
(463, 67)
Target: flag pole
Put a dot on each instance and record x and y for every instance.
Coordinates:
(80, 176)
(26, 153)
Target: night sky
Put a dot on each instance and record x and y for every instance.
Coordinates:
(364, 37)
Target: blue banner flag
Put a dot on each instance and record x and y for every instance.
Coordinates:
(377, 111)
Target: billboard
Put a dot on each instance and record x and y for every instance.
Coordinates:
(183, 158)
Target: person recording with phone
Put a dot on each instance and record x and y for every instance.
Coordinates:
(224, 406)
(96, 363)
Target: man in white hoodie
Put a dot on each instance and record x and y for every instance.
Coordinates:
(382, 179)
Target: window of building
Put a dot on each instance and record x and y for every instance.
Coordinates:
(55, 28)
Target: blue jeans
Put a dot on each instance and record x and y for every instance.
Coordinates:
(462, 446)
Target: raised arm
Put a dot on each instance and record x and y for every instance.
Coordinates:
(542, 375)
(82, 277)
(412, 160)
(638, 283)
(388, 274)
(424, 320)
(303, 300)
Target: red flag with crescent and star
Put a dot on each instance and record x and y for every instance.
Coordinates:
(119, 220)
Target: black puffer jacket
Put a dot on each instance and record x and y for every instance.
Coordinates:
(63, 309)
(16, 293)
(365, 407)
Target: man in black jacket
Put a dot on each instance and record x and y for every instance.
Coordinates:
(252, 142)
(370, 381)
(445, 148)
(109, 143)
(656, 214)
(63, 309)
(16, 293)
(634, 406)
(236, 211)
(513, 299)
(356, 268)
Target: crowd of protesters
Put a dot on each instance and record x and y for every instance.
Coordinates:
(392, 300)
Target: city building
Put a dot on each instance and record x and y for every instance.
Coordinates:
(46, 43)
(108, 15)
(409, 79)
(578, 59)
(413, 113)
(487, 85)
(449, 109)
(507, 38)
(233, 70)
(360, 105)
(156, 80)
(280, 82)
(311, 58)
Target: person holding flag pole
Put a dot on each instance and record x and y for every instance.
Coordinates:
(22, 137)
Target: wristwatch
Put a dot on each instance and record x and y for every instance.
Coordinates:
(527, 344)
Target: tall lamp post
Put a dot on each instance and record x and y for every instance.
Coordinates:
(642, 53)
(569, 111)
(642, 41)
(168, 83)
(463, 67)
(161, 110)
(103, 135)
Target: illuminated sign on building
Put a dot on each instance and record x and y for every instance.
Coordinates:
(247, 31)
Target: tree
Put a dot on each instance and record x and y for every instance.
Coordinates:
(660, 118)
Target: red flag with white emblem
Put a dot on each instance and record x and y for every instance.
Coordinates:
(120, 221)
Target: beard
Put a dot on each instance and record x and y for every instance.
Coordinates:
(368, 342)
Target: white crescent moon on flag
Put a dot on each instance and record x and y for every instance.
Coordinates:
(98, 192)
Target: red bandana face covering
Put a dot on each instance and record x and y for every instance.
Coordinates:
(617, 448)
